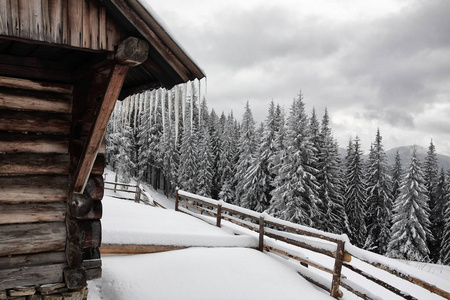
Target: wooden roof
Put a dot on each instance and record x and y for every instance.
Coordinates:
(79, 35)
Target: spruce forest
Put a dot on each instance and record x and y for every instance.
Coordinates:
(288, 166)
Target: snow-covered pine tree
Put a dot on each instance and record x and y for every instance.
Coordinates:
(316, 141)
(226, 164)
(330, 178)
(246, 149)
(379, 198)
(125, 165)
(189, 159)
(295, 195)
(445, 244)
(397, 173)
(437, 213)
(355, 194)
(215, 140)
(256, 181)
(204, 153)
(411, 224)
(431, 173)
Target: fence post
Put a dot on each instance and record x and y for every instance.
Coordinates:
(137, 198)
(176, 200)
(261, 234)
(115, 184)
(219, 215)
(337, 270)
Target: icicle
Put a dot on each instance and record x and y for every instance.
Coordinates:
(192, 104)
(156, 99)
(136, 100)
(163, 109)
(124, 111)
(183, 104)
(150, 100)
(177, 116)
(169, 103)
(199, 105)
(141, 100)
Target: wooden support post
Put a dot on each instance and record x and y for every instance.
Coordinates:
(219, 215)
(115, 184)
(261, 234)
(137, 198)
(337, 270)
(176, 200)
(130, 52)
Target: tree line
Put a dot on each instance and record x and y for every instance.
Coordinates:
(288, 166)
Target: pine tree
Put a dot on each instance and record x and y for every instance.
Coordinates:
(226, 164)
(411, 225)
(125, 164)
(445, 243)
(437, 214)
(295, 195)
(246, 150)
(205, 155)
(330, 178)
(431, 173)
(379, 198)
(397, 172)
(188, 158)
(355, 194)
(215, 133)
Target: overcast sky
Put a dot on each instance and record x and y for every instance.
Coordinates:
(383, 63)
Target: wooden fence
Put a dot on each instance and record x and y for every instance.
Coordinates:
(270, 229)
(138, 193)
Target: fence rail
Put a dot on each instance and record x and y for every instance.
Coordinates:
(140, 195)
(331, 245)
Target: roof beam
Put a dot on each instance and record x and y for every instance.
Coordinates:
(117, 75)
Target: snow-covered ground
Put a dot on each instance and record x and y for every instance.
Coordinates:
(218, 268)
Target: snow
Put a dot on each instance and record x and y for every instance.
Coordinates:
(200, 273)
(221, 266)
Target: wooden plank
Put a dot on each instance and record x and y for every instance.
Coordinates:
(34, 122)
(14, 29)
(75, 25)
(54, 29)
(32, 163)
(35, 85)
(4, 11)
(32, 212)
(336, 281)
(65, 22)
(102, 27)
(94, 26)
(32, 238)
(19, 261)
(25, 19)
(10, 278)
(86, 23)
(45, 21)
(36, 20)
(34, 188)
(116, 79)
(31, 67)
(32, 143)
(10, 99)
(136, 249)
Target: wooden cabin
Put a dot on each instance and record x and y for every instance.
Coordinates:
(63, 65)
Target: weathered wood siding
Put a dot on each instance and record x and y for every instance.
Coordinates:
(35, 121)
(78, 23)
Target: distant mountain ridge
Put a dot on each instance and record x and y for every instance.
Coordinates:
(405, 156)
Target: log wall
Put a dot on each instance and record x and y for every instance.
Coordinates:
(78, 23)
(41, 223)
